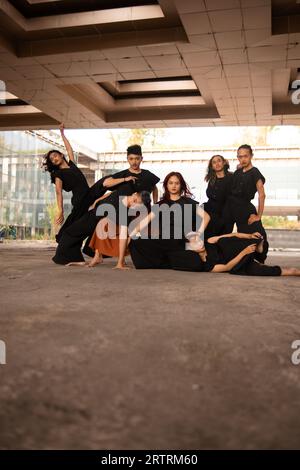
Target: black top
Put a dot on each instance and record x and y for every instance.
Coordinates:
(145, 182)
(113, 208)
(217, 193)
(225, 250)
(214, 256)
(73, 180)
(179, 221)
(244, 183)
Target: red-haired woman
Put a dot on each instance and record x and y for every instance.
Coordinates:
(171, 219)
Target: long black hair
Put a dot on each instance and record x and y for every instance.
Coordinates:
(184, 188)
(49, 166)
(146, 199)
(211, 174)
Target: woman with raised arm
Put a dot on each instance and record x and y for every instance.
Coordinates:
(66, 176)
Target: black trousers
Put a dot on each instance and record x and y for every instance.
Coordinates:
(256, 269)
(238, 211)
(163, 254)
(170, 254)
(69, 247)
(218, 223)
(216, 226)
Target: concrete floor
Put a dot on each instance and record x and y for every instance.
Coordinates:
(102, 359)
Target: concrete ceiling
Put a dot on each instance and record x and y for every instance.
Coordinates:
(148, 63)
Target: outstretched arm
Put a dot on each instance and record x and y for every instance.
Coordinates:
(215, 239)
(111, 182)
(205, 219)
(99, 199)
(67, 143)
(223, 268)
(59, 199)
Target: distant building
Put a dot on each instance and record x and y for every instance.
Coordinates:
(27, 197)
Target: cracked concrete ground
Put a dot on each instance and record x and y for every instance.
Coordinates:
(102, 359)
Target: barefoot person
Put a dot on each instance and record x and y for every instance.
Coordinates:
(133, 179)
(66, 176)
(114, 208)
(233, 253)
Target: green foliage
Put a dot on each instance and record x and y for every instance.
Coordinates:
(280, 222)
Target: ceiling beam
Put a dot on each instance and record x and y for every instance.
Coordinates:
(70, 20)
(100, 42)
(25, 121)
(115, 15)
(136, 115)
(22, 109)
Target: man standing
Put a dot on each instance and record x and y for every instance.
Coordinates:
(133, 179)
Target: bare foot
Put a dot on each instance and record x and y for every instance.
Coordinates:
(80, 263)
(96, 260)
(290, 272)
(123, 267)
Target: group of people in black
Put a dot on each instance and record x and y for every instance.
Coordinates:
(115, 217)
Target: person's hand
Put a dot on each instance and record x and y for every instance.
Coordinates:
(249, 236)
(255, 235)
(213, 239)
(92, 206)
(249, 249)
(253, 218)
(62, 128)
(130, 178)
(59, 218)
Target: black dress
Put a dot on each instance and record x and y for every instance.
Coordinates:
(217, 192)
(239, 207)
(164, 244)
(175, 219)
(73, 180)
(69, 246)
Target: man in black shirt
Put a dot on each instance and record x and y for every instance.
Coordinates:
(133, 179)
